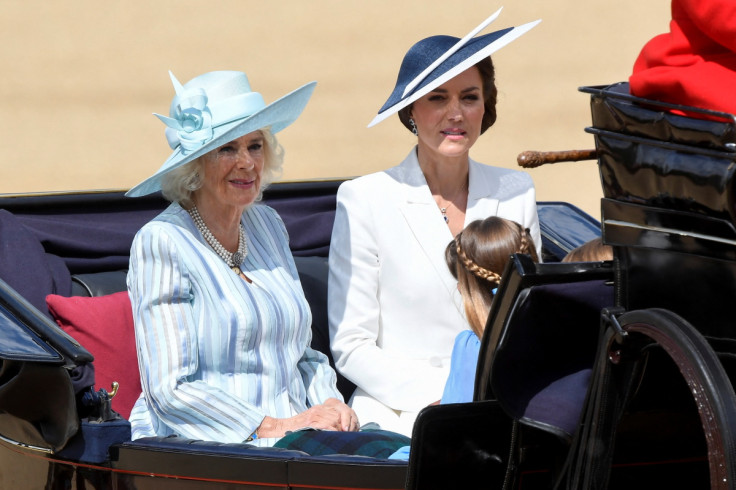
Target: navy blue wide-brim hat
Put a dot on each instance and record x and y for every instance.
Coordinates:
(437, 59)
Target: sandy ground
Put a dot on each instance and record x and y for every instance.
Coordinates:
(81, 79)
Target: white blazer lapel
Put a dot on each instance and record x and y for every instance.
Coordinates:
(481, 204)
(424, 219)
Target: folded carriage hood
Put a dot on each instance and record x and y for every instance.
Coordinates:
(37, 401)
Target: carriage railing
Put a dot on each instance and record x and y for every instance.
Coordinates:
(668, 346)
(668, 210)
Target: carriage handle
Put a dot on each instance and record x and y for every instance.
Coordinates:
(533, 159)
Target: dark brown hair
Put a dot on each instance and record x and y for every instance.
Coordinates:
(477, 257)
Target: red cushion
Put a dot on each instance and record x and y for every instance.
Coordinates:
(104, 326)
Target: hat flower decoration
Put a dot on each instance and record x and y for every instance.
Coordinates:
(213, 109)
(438, 59)
(191, 124)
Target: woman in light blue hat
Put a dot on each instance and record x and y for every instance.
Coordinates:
(221, 322)
(394, 308)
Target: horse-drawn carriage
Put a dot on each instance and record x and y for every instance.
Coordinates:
(613, 373)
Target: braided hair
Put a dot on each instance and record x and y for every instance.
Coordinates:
(477, 257)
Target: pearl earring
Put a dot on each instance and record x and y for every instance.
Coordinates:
(413, 126)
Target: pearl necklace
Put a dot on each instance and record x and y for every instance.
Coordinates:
(233, 260)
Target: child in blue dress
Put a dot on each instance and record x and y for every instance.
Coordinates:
(477, 257)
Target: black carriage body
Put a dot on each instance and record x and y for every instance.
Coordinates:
(662, 388)
(668, 207)
(624, 383)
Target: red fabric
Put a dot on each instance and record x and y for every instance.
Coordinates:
(695, 63)
(104, 326)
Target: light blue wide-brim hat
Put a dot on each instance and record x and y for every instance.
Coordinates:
(438, 59)
(216, 108)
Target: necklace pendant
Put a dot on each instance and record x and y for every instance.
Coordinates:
(236, 270)
(444, 215)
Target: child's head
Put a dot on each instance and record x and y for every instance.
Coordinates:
(477, 257)
(590, 251)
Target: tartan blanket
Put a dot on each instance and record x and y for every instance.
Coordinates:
(373, 443)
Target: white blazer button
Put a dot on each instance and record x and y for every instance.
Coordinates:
(435, 361)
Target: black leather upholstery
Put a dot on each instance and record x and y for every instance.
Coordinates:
(99, 283)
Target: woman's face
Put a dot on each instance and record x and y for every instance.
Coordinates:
(232, 172)
(449, 117)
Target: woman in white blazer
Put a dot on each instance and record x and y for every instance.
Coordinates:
(394, 308)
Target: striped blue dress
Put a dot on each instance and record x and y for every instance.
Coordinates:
(217, 354)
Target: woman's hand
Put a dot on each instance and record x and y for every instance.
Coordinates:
(348, 417)
(331, 415)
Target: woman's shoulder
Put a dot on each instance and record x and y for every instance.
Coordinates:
(170, 228)
(507, 181)
(263, 215)
(171, 217)
(368, 181)
(396, 175)
(262, 218)
(263, 211)
(500, 171)
(387, 184)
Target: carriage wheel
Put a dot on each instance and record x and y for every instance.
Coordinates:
(708, 382)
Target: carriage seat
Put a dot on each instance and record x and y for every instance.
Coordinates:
(99, 283)
(539, 368)
(542, 367)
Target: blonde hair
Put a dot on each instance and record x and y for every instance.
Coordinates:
(590, 251)
(477, 257)
(179, 184)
